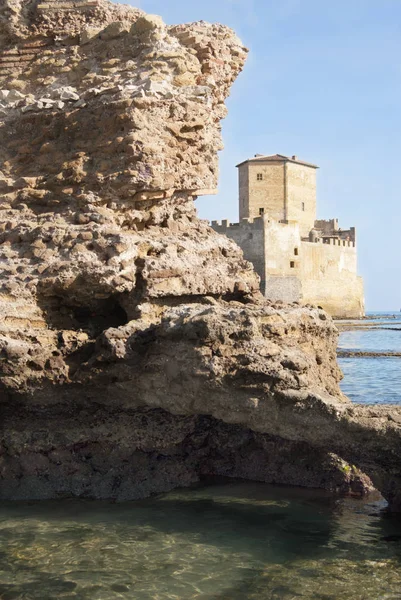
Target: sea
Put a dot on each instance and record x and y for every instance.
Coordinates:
(374, 375)
(224, 540)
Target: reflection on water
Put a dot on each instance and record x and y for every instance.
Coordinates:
(226, 542)
(372, 380)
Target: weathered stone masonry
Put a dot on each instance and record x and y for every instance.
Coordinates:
(136, 350)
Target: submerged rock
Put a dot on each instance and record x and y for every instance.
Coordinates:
(137, 353)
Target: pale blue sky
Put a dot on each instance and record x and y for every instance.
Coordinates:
(323, 81)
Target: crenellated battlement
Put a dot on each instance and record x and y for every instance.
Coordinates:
(332, 241)
(330, 229)
(257, 222)
(326, 225)
(343, 239)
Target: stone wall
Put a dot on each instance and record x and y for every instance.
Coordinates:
(22, 19)
(293, 270)
(322, 274)
(329, 278)
(250, 236)
(281, 250)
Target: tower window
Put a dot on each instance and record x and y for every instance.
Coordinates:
(296, 251)
(292, 264)
(261, 211)
(259, 176)
(303, 206)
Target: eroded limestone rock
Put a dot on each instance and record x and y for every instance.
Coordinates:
(137, 353)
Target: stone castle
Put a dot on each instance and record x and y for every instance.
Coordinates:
(298, 258)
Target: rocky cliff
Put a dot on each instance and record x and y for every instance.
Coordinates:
(137, 353)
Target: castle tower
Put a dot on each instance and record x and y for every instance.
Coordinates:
(280, 186)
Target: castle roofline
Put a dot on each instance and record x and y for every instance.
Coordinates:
(261, 158)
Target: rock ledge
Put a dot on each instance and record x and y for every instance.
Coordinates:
(137, 353)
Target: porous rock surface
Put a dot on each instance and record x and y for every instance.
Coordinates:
(136, 352)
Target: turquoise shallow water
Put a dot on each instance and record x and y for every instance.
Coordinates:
(238, 541)
(373, 380)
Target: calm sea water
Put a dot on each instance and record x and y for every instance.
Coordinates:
(371, 380)
(237, 541)
(226, 542)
